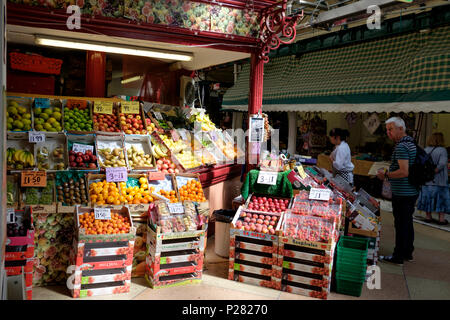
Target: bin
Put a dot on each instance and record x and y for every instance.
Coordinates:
(222, 232)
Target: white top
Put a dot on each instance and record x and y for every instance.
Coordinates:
(342, 157)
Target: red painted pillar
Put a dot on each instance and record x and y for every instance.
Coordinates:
(95, 74)
(255, 99)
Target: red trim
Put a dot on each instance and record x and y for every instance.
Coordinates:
(217, 174)
(25, 15)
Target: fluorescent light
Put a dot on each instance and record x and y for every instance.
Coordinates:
(112, 48)
(132, 79)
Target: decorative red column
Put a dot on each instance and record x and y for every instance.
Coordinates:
(95, 74)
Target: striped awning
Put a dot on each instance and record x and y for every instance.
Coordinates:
(410, 72)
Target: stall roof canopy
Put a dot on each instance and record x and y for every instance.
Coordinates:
(409, 72)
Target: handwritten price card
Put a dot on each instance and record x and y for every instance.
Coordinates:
(319, 194)
(130, 107)
(117, 174)
(102, 213)
(33, 179)
(76, 147)
(267, 177)
(103, 107)
(36, 136)
(41, 103)
(79, 104)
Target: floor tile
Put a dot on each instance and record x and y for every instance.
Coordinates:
(291, 296)
(429, 264)
(200, 291)
(425, 289)
(386, 267)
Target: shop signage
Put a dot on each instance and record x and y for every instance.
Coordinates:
(319, 194)
(256, 129)
(117, 174)
(102, 213)
(267, 177)
(36, 136)
(33, 179)
(103, 107)
(130, 107)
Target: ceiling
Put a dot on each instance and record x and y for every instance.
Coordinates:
(203, 57)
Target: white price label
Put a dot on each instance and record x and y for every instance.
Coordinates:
(35, 137)
(11, 215)
(175, 208)
(319, 194)
(158, 115)
(267, 177)
(183, 135)
(102, 213)
(76, 147)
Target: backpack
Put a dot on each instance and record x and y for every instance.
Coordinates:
(422, 169)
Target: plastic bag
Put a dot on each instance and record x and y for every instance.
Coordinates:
(386, 190)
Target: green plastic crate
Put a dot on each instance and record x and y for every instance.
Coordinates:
(352, 247)
(354, 275)
(348, 286)
(348, 258)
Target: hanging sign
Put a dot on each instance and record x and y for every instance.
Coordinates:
(41, 103)
(372, 123)
(131, 107)
(103, 107)
(102, 213)
(267, 177)
(76, 147)
(116, 174)
(183, 134)
(256, 129)
(33, 179)
(319, 194)
(36, 136)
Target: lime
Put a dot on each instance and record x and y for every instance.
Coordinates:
(56, 109)
(71, 121)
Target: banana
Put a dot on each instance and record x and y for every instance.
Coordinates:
(158, 151)
(31, 160)
(17, 155)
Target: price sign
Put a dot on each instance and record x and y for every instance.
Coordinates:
(102, 213)
(103, 107)
(76, 147)
(33, 179)
(41, 103)
(301, 172)
(175, 208)
(319, 194)
(11, 215)
(117, 174)
(35, 137)
(79, 104)
(267, 177)
(130, 107)
(158, 115)
(156, 175)
(175, 136)
(183, 134)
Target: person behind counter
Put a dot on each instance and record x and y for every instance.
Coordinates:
(341, 156)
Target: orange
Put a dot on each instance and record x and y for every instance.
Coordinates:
(110, 199)
(136, 201)
(145, 200)
(142, 180)
(117, 202)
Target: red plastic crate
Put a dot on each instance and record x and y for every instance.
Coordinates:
(35, 63)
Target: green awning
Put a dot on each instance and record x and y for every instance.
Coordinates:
(407, 71)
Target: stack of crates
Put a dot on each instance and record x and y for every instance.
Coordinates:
(351, 266)
(19, 251)
(102, 262)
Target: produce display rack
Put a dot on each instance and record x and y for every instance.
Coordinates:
(19, 253)
(60, 205)
(141, 113)
(146, 143)
(40, 208)
(83, 139)
(115, 112)
(112, 141)
(89, 106)
(174, 258)
(102, 262)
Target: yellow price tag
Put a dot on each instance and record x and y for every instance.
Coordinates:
(130, 107)
(103, 107)
(301, 172)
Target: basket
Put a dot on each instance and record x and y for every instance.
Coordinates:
(353, 248)
(35, 63)
(348, 286)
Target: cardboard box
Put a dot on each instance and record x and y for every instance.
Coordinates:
(95, 177)
(38, 208)
(108, 275)
(249, 199)
(112, 141)
(24, 102)
(53, 140)
(305, 290)
(53, 103)
(63, 176)
(19, 141)
(89, 107)
(141, 114)
(140, 142)
(115, 112)
(97, 289)
(88, 139)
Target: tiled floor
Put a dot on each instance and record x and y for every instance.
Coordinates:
(426, 278)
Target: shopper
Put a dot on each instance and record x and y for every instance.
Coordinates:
(341, 156)
(404, 194)
(435, 195)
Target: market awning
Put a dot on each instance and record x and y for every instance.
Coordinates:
(406, 73)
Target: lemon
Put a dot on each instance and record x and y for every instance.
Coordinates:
(47, 126)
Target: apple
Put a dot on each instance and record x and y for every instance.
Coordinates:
(274, 218)
(266, 222)
(265, 230)
(271, 231)
(239, 224)
(258, 228)
(247, 228)
(259, 221)
(271, 223)
(253, 220)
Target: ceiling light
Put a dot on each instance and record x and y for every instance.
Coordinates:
(112, 48)
(132, 79)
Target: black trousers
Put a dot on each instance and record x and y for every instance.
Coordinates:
(403, 210)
